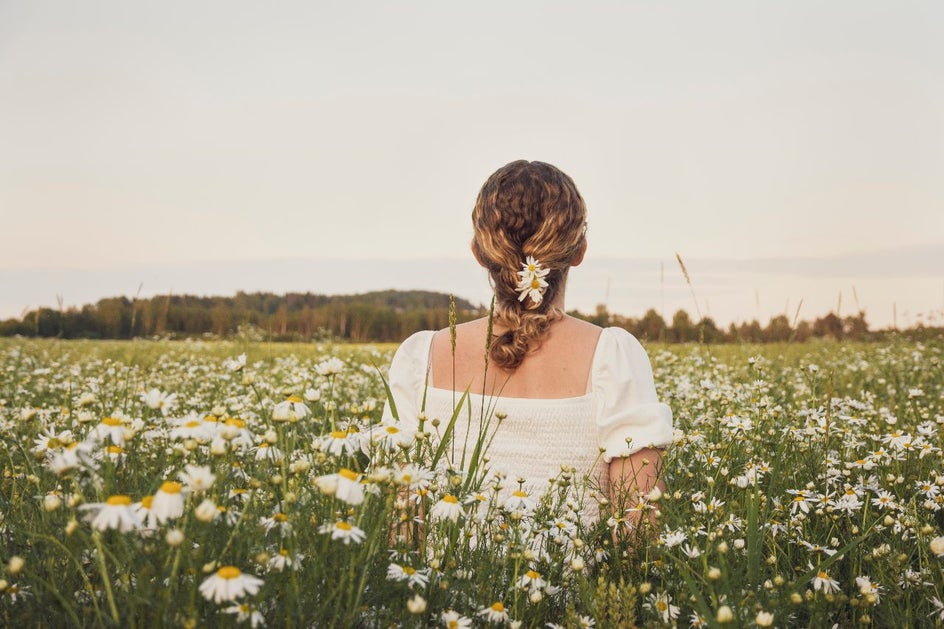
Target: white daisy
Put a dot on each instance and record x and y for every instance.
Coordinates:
(447, 509)
(168, 502)
(344, 531)
(494, 612)
(114, 513)
(291, 410)
(229, 583)
(197, 478)
(345, 486)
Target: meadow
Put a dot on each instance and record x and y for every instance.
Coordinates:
(201, 484)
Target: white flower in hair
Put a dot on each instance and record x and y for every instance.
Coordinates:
(531, 282)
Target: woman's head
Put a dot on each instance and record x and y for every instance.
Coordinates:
(527, 209)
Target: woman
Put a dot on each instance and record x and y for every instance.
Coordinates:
(564, 390)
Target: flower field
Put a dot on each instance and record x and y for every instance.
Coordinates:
(201, 484)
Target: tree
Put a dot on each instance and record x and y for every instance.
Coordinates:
(651, 327)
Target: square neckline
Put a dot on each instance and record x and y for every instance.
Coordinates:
(535, 400)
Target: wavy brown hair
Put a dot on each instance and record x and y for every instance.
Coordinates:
(526, 209)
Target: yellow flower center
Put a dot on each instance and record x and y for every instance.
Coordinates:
(339, 434)
(235, 421)
(822, 574)
(146, 501)
(119, 500)
(192, 424)
(392, 430)
(409, 570)
(344, 526)
(519, 494)
(114, 450)
(294, 399)
(53, 443)
(662, 605)
(348, 474)
(171, 487)
(498, 607)
(283, 552)
(280, 517)
(535, 283)
(211, 419)
(264, 445)
(450, 499)
(111, 421)
(453, 624)
(228, 572)
(531, 574)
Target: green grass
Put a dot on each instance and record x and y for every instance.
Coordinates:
(795, 466)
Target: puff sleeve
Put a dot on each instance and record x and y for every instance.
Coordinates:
(407, 378)
(627, 405)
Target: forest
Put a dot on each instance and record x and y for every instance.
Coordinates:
(386, 316)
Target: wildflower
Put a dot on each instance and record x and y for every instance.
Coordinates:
(344, 531)
(235, 364)
(112, 428)
(416, 605)
(937, 546)
(454, 620)
(494, 612)
(447, 509)
(938, 608)
(51, 502)
(724, 614)
(337, 443)
(114, 513)
(413, 577)
(206, 511)
(764, 619)
(168, 502)
(192, 426)
(229, 583)
(531, 579)
(197, 477)
(276, 520)
(267, 452)
(49, 439)
(283, 559)
(244, 612)
(531, 282)
(884, 500)
(519, 501)
(15, 591)
(413, 476)
(330, 367)
(869, 590)
(823, 582)
(391, 435)
(174, 537)
(345, 486)
(292, 409)
(155, 399)
(15, 564)
(661, 604)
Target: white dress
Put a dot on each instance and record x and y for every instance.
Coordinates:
(619, 414)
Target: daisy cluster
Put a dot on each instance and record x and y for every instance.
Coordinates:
(204, 482)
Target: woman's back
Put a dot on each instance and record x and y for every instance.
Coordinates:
(559, 368)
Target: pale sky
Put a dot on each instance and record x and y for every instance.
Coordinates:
(152, 139)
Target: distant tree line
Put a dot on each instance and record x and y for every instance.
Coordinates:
(377, 316)
(384, 316)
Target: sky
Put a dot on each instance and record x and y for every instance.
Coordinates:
(786, 151)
